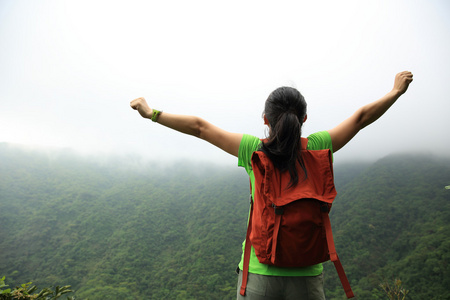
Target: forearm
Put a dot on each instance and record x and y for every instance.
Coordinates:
(191, 125)
(373, 111)
(195, 126)
(200, 128)
(366, 115)
(182, 123)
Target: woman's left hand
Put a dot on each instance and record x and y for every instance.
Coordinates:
(402, 81)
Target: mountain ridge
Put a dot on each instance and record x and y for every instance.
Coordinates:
(176, 232)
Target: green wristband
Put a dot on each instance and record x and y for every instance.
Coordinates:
(156, 114)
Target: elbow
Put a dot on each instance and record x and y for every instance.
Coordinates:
(362, 119)
(198, 127)
(360, 124)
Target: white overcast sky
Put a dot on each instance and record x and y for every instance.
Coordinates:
(68, 70)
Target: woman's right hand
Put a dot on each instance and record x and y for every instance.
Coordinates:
(192, 125)
(142, 107)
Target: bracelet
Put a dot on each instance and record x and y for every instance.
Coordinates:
(155, 115)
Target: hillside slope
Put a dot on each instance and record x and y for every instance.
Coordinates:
(118, 232)
(392, 221)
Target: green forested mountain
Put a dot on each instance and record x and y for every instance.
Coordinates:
(116, 230)
(393, 221)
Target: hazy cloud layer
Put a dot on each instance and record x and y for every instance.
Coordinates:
(70, 68)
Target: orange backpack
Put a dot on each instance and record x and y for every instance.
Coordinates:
(290, 227)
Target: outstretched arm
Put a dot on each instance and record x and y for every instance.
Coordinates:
(198, 127)
(366, 115)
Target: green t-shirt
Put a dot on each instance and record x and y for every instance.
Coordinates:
(249, 144)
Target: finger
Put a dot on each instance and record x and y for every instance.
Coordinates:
(407, 74)
(134, 105)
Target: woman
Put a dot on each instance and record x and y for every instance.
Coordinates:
(284, 114)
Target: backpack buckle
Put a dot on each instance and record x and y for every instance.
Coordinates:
(278, 210)
(325, 208)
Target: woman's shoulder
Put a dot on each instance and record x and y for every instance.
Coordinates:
(249, 143)
(320, 140)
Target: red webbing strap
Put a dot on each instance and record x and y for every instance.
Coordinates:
(276, 229)
(247, 251)
(334, 257)
(343, 278)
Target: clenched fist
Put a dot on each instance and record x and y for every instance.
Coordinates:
(142, 107)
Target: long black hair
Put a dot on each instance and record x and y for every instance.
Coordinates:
(285, 110)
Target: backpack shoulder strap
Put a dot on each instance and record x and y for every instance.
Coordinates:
(304, 143)
(247, 250)
(333, 255)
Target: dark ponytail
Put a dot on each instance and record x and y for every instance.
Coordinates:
(285, 110)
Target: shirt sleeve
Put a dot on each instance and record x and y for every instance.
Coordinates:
(248, 145)
(319, 141)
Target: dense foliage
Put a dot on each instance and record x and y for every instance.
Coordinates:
(392, 221)
(27, 291)
(137, 230)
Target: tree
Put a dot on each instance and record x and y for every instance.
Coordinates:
(27, 292)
